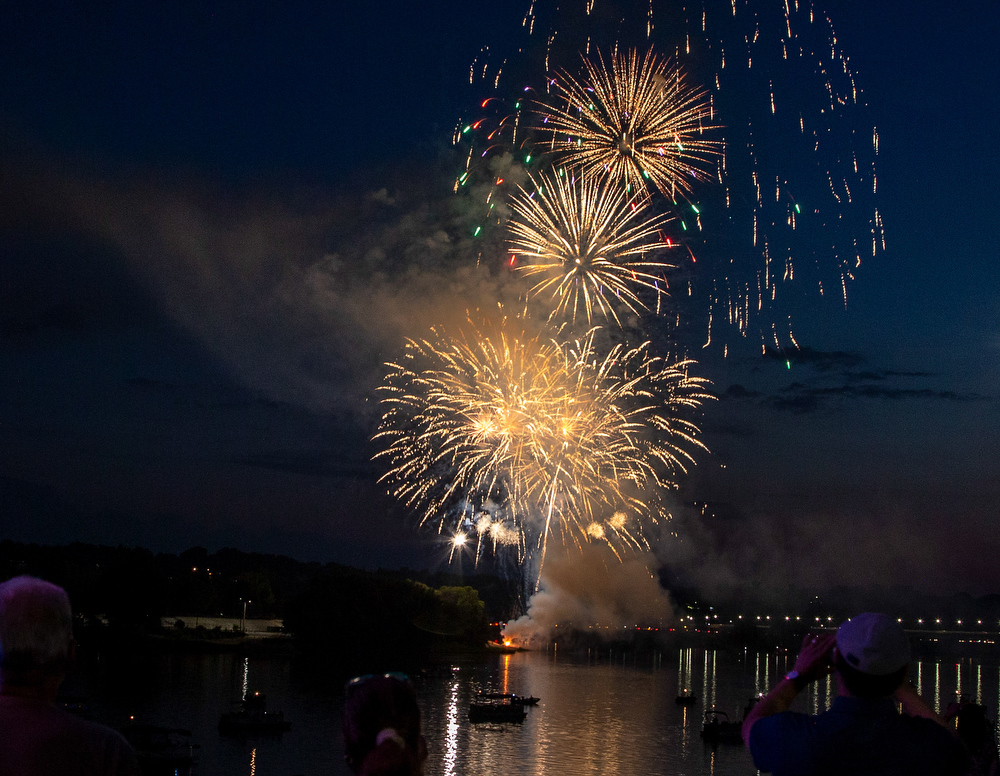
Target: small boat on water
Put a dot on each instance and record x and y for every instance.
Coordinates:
(496, 710)
(686, 698)
(251, 716)
(74, 704)
(514, 698)
(161, 750)
(719, 729)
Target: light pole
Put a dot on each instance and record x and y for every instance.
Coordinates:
(243, 622)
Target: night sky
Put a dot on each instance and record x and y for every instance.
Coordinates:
(209, 219)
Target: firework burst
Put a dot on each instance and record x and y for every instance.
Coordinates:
(590, 243)
(795, 213)
(519, 438)
(637, 122)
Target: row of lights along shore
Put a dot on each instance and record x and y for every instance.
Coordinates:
(824, 622)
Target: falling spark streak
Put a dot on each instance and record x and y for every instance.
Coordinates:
(583, 239)
(500, 427)
(638, 122)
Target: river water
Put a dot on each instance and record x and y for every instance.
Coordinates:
(601, 712)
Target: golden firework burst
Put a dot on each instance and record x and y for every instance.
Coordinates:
(523, 437)
(634, 120)
(591, 244)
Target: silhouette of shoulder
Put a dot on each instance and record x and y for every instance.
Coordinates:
(39, 739)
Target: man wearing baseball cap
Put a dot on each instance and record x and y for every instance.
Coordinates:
(862, 732)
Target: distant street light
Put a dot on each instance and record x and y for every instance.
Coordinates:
(243, 622)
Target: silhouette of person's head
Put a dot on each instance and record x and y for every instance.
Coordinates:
(873, 653)
(382, 727)
(36, 632)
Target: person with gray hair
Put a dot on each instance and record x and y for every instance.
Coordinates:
(37, 651)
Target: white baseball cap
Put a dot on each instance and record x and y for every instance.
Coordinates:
(873, 644)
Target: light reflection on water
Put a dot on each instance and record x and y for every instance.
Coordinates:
(937, 687)
(615, 713)
(684, 669)
(602, 712)
(451, 735)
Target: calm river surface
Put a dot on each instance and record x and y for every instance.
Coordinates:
(603, 712)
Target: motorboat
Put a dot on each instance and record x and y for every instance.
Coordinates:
(250, 715)
(161, 750)
(75, 704)
(719, 729)
(496, 710)
(514, 698)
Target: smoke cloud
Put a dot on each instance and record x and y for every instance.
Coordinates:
(302, 293)
(775, 552)
(591, 591)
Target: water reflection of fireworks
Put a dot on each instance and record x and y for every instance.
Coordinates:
(513, 438)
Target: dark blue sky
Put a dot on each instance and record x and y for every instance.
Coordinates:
(180, 356)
